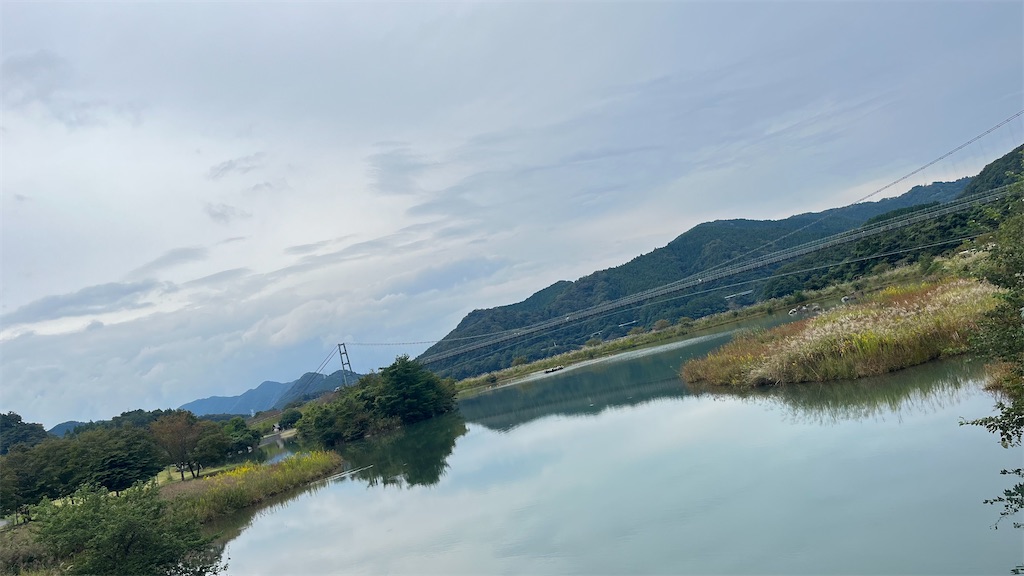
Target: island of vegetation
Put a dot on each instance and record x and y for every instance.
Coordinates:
(897, 327)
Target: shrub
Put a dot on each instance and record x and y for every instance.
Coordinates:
(135, 533)
(288, 418)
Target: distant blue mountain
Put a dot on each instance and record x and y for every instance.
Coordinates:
(255, 399)
(271, 394)
(312, 385)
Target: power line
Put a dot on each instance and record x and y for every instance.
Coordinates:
(734, 285)
(876, 192)
(724, 269)
(477, 337)
(760, 262)
(315, 373)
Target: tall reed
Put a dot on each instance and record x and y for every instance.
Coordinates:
(900, 326)
(253, 483)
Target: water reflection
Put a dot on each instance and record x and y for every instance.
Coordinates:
(634, 379)
(228, 527)
(414, 456)
(626, 380)
(921, 389)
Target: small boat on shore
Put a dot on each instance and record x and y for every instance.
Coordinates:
(554, 369)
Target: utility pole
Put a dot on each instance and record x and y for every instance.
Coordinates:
(346, 365)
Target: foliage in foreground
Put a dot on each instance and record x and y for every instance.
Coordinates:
(403, 393)
(900, 327)
(134, 533)
(1002, 340)
(252, 483)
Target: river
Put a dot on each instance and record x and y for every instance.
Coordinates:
(616, 468)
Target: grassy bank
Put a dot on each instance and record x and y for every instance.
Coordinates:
(898, 327)
(250, 484)
(689, 328)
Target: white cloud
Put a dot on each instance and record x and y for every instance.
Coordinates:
(371, 172)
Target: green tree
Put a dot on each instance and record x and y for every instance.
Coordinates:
(241, 436)
(192, 443)
(14, 431)
(1002, 339)
(213, 445)
(289, 418)
(1002, 335)
(16, 486)
(409, 392)
(136, 533)
(402, 393)
(116, 458)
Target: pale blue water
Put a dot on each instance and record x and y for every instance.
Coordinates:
(614, 469)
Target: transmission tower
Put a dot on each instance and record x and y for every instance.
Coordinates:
(346, 365)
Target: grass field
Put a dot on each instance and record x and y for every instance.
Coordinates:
(898, 327)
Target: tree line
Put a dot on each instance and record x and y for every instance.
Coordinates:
(114, 454)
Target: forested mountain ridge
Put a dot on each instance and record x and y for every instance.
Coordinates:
(259, 398)
(270, 395)
(938, 236)
(700, 248)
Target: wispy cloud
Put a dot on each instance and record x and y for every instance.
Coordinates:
(170, 259)
(225, 213)
(394, 170)
(101, 299)
(239, 166)
(46, 79)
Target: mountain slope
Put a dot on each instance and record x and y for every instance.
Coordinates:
(312, 385)
(64, 427)
(255, 399)
(271, 394)
(702, 247)
(940, 236)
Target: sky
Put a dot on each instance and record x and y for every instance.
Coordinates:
(198, 197)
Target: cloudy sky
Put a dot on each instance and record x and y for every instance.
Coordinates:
(199, 197)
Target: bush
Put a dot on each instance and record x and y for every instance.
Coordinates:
(402, 393)
(288, 418)
(21, 551)
(135, 533)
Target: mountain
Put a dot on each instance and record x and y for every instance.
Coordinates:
(920, 242)
(700, 248)
(270, 395)
(64, 427)
(255, 399)
(312, 385)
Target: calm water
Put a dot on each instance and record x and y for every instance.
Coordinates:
(614, 468)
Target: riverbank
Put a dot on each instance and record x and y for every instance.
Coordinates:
(208, 498)
(900, 326)
(249, 484)
(686, 328)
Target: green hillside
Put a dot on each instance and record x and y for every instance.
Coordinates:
(895, 245)
(702, 247)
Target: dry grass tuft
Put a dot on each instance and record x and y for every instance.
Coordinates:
(900, 326)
